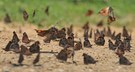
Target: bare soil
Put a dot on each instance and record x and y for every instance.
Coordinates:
(107, 59)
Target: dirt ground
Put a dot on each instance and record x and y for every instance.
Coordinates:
(107, 59)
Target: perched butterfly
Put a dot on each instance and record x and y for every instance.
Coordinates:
(62, 55)
(125, 32)
(86, 26)
(110, 19)
(25, 50)
(89, 13)
(25, 15)
(15, 38)
(34, 12)
(35, 48)
(7, 18)
(124, 61)
(36, 60)
(7, 48)
(78, 45)
(100, 24)
(42, 33)
(21, 58)
(25, 38)
(47, 10)
(87, 59)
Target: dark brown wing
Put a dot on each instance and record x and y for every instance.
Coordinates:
(15, 38)
(100, 24)
(36, 60)
(33, 14)
(42, 33)
(25, 38)
(21, 58)
(47, 10)
(25, 50)
(25, 15)
(7, 18)
(89, 13)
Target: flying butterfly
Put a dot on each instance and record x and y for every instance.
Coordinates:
(89, 13)
(108, 11)
(105, 11)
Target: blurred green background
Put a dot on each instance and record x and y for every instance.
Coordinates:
(68, 11)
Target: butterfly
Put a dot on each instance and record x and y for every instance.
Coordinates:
(25, 15)
(111, 19)
(34, 12)
(36, 60)
(25, 50)
(7, 18)
(25, 38)
(108, 11)
(21, 58)
(100, 24)
(105, 11)
(42, 33)
(47, 10)
(89, 13)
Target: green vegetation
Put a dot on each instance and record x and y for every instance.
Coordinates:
(67, 11)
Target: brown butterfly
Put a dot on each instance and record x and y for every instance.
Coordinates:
(7, 48)
(124, 61)
(25, 15)
(70, 30)
(25, 50)
(89, 13)
(105, 11)
(100, 24)
(90, 35)
(35, 48)
(78, 45)
(21, 58)
(87, 59)
(42, 33)
(86, 26)
(125, 32)
(111, 19)
(25, 38)
(66, 53)
(34, 12)
(36, 60)
(15, 38)
(48, 38)
(47, 10)
(62, 55)
(7, 18)
(111, 45)
(120, 50)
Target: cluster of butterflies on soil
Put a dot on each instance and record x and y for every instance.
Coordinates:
(65, 37)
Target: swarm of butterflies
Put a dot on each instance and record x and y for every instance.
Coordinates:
(66, 39)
